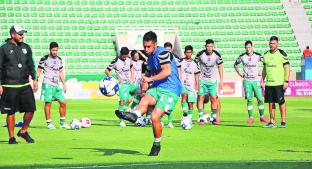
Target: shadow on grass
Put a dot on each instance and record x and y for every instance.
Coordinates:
(62, 158)
(307, 110)
(239, 125)
(184, 165)
(296, 151)
(110, 152)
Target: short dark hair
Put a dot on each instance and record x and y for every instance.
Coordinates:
(188, 47)
(274, 38)
(53, 45)
(248, 42)
(209, 41)
(133, 53)
(308, 47)
(168, 44)
(150, 36)
(124, 51)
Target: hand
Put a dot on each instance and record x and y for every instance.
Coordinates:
(146, 79)
(64, 88)
(221, 84)
(285, 85)
(1, 90)
(35, 86)
(262, 85)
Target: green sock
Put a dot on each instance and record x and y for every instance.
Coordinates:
(121, 108)
(200, 112)
(261, 108)
(62, 120)
(250, 108)
(190, 113)
(184, 107)
(214, 113)
(170, 117)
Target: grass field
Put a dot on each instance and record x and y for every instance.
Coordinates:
(233, 144)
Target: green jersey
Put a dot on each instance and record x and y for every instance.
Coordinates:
(274, 67)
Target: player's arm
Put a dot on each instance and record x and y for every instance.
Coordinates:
(196, 80)
(132, 74)
(286, 66)
(164, 59)
(237, 69)
(110, 67)
(31, 67)
(220, 70)
(164, 73)
(62, 77)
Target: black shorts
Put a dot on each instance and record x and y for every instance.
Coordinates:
(17, 99)
(274, 94)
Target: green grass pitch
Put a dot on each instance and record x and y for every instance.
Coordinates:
(233, 144)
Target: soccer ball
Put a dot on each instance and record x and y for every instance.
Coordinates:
(85, 122)
(208, 118)
(142, 121)
(75, 124)
(186, 123)
(109, 86)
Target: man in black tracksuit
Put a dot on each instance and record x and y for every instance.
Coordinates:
(16, 68)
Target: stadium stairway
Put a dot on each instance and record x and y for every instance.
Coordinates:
(299, 22)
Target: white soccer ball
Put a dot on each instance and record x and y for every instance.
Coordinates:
(109, 86)
(142, 121)
(75, 124)
(208, 118)
(85, 122)
(186, 123)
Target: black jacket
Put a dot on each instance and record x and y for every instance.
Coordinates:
(16, 64)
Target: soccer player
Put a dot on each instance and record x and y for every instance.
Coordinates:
(16, 68)
(276, 73)
(124, 69)
(138, 65)
(189, 78)
(250, 61)
(209, 61)
(164, 91)
(177, 59)
(53, 72)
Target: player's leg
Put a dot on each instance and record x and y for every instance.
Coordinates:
(157, 130)
(202, 91)
(8, 100)
(269, 98)
(123, 98)
(248, 90)
(166, 103)
(142, 108)
(191, 99)
(282, 105)
(170, 120)
(47, 92)
(184, 100)
(258, 93)
(27, 105)
(212, 90)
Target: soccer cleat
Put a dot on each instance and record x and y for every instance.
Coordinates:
(263, 119)
(126, 116)
(250, 120)
(64, 126)
(50, 126)
(170, 125)
(12, 140)
(283, 124)
(26, 137)
(270, 125)
(155, 150)
(216, 122)
(201, 121)
(122, 124)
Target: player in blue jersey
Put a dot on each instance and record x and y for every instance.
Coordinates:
(164, 89)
